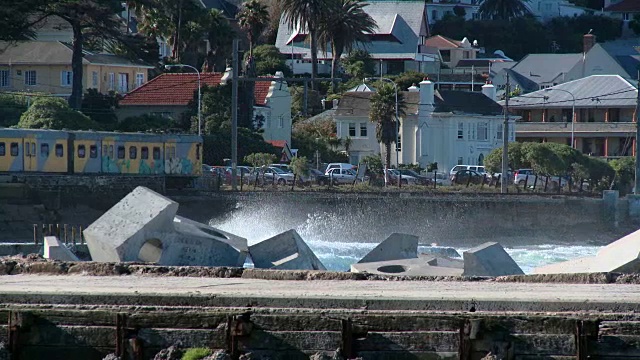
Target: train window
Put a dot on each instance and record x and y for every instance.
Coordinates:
(133, 152)
(170, 152)
(33, 149)
(144, 153)
(111, 151)
(59, 150)
(120, 152)
(3, 149)
(44, 150)
(27, 149)
(198, 152)
(156, 153)
(93, 151)
(14, 149)
(82, 151)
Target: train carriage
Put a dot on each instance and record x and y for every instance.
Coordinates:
(25, 150)
(183, 155)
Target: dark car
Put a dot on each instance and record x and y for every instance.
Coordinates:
(317, 177)
(422, 180)
(467, 176)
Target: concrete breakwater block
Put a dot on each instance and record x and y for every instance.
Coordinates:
(285, 251)
(489, 259)
(423, 265)
(55, 250)
(621, 256)
(143, 226)
(396, 247)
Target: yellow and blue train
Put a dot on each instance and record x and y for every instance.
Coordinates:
(95, 152)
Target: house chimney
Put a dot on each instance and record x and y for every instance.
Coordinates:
(228, 74)
(413, 88)
(427, 93)
(588, 40)
(489, 90)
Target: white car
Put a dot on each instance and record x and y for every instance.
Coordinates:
(342, 176)
(406, 179)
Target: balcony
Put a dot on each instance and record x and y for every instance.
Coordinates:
(562, 129)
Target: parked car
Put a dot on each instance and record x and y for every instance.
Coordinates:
(269, 175)
(394, 175)
(342, 176)
(477, 168)
(241, 173)
(528, 176)
(283, 167)
(317, 177)
(421, 179)
(467, 176)
(342, 166)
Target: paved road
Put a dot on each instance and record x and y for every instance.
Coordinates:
(409, 295)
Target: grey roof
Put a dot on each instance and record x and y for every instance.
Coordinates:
(362, 87)
(545, 68)
(465, 102)
(229, 9)
(593, 91)
(400, 24)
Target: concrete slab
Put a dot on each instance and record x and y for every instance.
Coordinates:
(621, 256)
(285, 251)
(489, 259)
(143, 226)
(397, 246)
(425, 265)
(55, 250)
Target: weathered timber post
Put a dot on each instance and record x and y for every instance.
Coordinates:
(35, 234)
(347, 339)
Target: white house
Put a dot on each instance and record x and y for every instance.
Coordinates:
(437, 9)
(548, 9)
(444, 127)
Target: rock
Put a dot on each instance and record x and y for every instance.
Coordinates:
(285, 251)
(218, 355)
(143, 226)
(55, 250)
(396, 247)
(4, 353)
(425, 265)
(171, 353)
(490, 357)
(108, 357)
(489, 259)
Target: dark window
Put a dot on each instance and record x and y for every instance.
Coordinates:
(59, 150)
(198, 152)
(14, 149)
(111, 151)
(3, 149)
(133, 152)
(446, 55)
(352, 129)
(93, 151)
(82, 151)
(120, 152)
(156, 153)
(144, 153)
(44, 150)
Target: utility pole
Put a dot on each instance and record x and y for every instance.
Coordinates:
(636, 188)
(234, 116)
(504, 183)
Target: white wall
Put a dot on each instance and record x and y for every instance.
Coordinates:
(277, 125)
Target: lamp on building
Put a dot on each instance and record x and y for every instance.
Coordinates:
(169, 67)
(573, 111)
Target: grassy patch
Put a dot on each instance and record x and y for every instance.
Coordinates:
(196, 353)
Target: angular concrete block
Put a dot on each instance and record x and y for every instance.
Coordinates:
(424, 265)
(489, 259)
(55, 250)
(397, 246)
(143, 226)
(285, 251)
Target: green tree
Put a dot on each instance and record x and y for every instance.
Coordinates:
(12, 106)
(635, 24)
(300, 168)
(313, 105)
(54, 113)
(459, 11)
(344, 24)
(268, 60)
(253, 19)
(382, 113)
(408, 78)
(101, 108)
(504, 9)
(217, 145)
(493, 161)
(305, 16)
(625, 173)
(374, 163)
(146, 122)
(359, 64)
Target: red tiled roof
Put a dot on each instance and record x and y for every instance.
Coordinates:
(441, 42)
(179, 89)
(625, 6)
(278, 143)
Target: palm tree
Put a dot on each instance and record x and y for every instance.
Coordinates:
(382, 113)
(305, 15)
(253, 18)
(504, 9)
(343, 25)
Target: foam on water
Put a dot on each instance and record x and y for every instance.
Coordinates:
(340, 241)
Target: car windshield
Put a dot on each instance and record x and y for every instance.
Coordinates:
(351, 172)
(277, 170)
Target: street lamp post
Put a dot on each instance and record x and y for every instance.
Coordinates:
(573, 112)
(395, 86)
(168, 67)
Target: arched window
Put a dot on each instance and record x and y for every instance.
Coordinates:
(481, 159)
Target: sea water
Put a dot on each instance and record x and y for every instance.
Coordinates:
(336, 241)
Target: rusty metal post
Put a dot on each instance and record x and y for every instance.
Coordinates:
(44, 230)
(586, 330)
(65, 233)
(73, 234)
(35, 234)
(121, 323)
(81, 236)
(58, 231)
(50, 232)
(347, 339)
